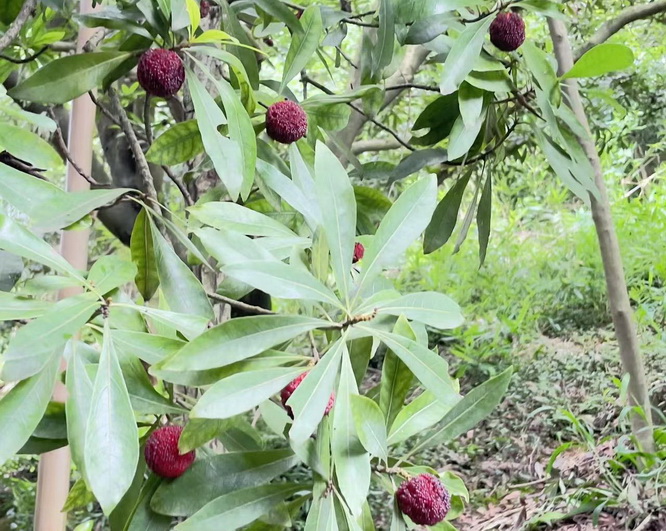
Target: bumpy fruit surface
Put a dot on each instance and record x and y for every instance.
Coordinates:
(359, 251)
(286, 122)
(160, 72)
(286, 393)
(507, 31)
(424, 499)
(204, 8)
(162, 455)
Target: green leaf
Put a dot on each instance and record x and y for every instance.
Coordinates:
(9, 10)
(11, 267)
(382, 53)
(352, 462)
(468, 412)
(237, 509)
(188, 325)
(151, 348)
(464, 52)
(600, 60)
(22, 408)
(311, 397)
(239, 339)
(470, 102)
(182, 290)
(303, 45)
(230, 247)
(483, 216)
(28, 146)
(16, 239)
(427, 29)
(144, 518)
(337, 203)
(428, 307)
(178, 144)
(212, 477)
(198, 432)
(370, 425)
(241, 392)
(225, 153)
(319, 100)
(445, 217)
(419, 415)
(232, 216)
(179, 16)
(247, 56)
(282, 13)
(322, 515)
(13, 307)
(79, 496)
(80, 390)
(428, 367)
(110, 272)
(112, 439)
(396, 379)
(143, 255)
(35, 343)
(68, 77)
(404, 222)
(282, 281)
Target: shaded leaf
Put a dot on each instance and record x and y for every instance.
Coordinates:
(178, 144)
(445, 217)
(303, 45)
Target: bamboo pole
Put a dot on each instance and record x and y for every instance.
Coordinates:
(54, 467)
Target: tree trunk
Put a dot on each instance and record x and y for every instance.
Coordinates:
(618, 298)
(54, 467)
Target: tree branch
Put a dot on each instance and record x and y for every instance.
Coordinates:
(257, 310)
(25, 59)
(376, 144)
(626, 16)
(15, 27)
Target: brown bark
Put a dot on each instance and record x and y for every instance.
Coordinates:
(618, 298)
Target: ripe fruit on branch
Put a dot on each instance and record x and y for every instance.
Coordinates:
(507, 31)
(424, 499)
(359, 251)
(204, 8)
(286, 393)
(162, 455)
(160, 72)
(286, 122)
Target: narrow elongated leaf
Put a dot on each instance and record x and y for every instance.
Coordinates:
(311, 397)
(247, 56)
(144, 518)
(80, 390)
(463, 54)
(337, 203)
(462, 136)
(143, 255)
(16, 239)
(239, 339)
(404, 222)
(34, 344)
(470, 102)
(178, 144)
(483, 216)
(282, 281)
(445, 217)
(230, 247)
(397, 378)
(601, 59)
(419, 415)
(110, 272)
(231, 216)
(22, 408)
(188, 325)
(224, 153)
(383, 52)
(322, 515)
(281, 12)
(13, 307)
(182, 290)
(112, 439)
(303, 45)
(431, 308)
(11, 267)
(237, 509)
(212, 477)
(469, 411)
(302, 176)
(66, 78)
(151, 348)
(352, 462)
(242, 392)
(370, 425)
(28, 146)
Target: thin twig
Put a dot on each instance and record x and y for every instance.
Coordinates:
(362, 24)
(15, 27)
(146, 120)
(183, 189)
(62, 145)
(360, 111)
(346, 57)
(104, 110)
(257, 310)
(485, 154)
(430, 88)
(25, 59)
(142, 165)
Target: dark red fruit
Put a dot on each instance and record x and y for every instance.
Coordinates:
(359, 251)
(269, 42)
(204, 8)
(286, 393)
(507, 31)
(286, 122)
(424, 499)
(161, 72)
(162, 455)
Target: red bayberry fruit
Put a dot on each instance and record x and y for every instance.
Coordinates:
(359, 251)
(204, 8)
(286, 393)
(507, 31)
(160, 72)
(286, 122)
(424, 499)
(162, 455)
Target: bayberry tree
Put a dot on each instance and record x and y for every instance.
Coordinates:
(216, 370)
